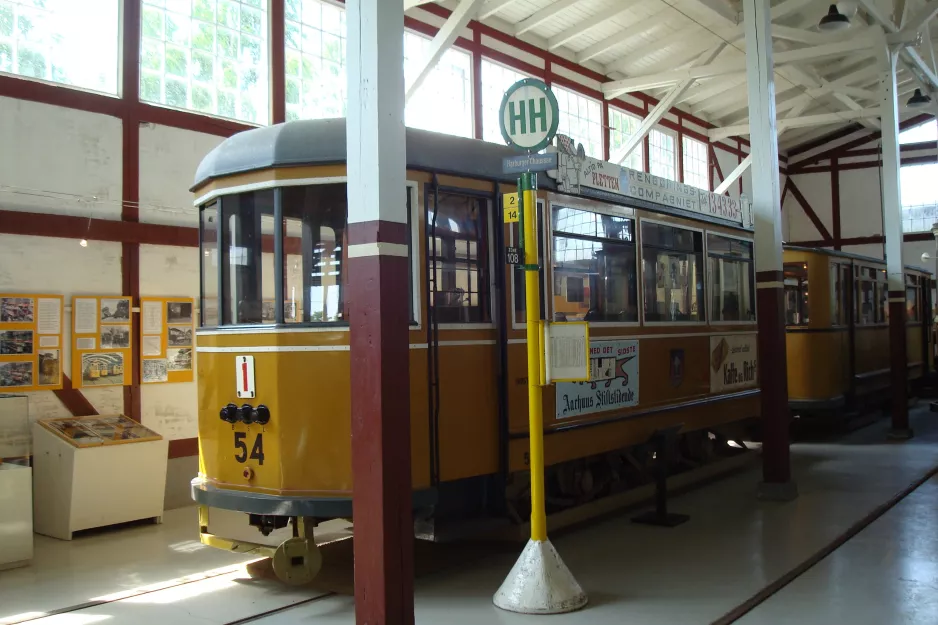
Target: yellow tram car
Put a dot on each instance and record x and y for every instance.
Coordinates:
(668, 294)
(837, 329)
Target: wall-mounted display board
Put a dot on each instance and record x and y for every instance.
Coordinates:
(99, 430)
(30, 342)
(166, 339)
(101, 345)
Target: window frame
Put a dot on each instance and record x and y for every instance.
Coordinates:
(708, 285)
(683, 160)
(480, 96)
(486, 198)
(455, 47)
(669, 133)
(612, 210)
(639, 149)
(703, 273)
(218, 196)
(599, 122)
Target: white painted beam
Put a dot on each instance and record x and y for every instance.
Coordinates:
(799, 35)
(616, 88)
(734, 175)
(621, 6)
(911, 55)
(690, 33)
(492, 7)
(921, 17)
(601, 47)
(723, 9)
(543, 15)
(806, 121)
(443, 40)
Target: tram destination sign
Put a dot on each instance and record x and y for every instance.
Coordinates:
(529, 162)
(582, 175)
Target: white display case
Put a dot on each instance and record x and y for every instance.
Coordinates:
(96, 471)
(16, 484)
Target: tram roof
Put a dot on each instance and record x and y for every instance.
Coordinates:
(323, 141)
(841, 254)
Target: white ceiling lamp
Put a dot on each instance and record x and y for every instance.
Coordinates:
(833, 21)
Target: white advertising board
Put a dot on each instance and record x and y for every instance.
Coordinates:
(613, 381)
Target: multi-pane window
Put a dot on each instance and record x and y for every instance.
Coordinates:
(732, 292)
(206, 55)
(696, 165)
(672, 266)
(316, 81)
(443, 103)
(457, 250)
(662, 154)
(594, 267)
(919, 197)
(495, 82)
(622, 127)
(581, 119)
(923, 132)
(72, 42)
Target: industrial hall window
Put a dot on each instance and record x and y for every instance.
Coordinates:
(622, 127)
(71, 42)
(206, 55)
(672, 266)
(457, 255)
(871, 295)
(443, 102)
(662, 154)
(730, 278)
(495, 82)
(315, 52)
(594, 267)
(796, 294)
(696, 163)
(581, 119)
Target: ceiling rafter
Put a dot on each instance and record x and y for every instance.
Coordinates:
(542, 15)
(622, 36)
(568, 35)
(492, 7)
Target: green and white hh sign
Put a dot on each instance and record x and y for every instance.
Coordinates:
(529, 115)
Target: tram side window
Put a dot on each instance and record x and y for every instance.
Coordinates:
(796, 294)
(912, 308)
(870, 297)
(731, 279)
(840, 278)
(315, 253)
(248, 257)
(209, 302)
(672, 265)
(594, 267)
(457, 251)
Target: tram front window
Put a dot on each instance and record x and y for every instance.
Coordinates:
(315, 253)
(248, 257)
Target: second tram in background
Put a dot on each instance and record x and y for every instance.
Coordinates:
(836, 307)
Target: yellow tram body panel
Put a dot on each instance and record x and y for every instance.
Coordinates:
(838, 328)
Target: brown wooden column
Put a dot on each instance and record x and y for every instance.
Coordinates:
(773, 375)
(379, 272)
(898, 364)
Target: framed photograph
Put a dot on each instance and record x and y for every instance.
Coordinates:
(16, 342)
(179, 336)
(17, 310)
(16, 374)
(179, 359)
(50, 367)
(154, 370)
(115, 310)
(179, 312)
(102, 369)
(115, 337)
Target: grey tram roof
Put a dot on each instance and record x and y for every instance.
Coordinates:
(322, 141)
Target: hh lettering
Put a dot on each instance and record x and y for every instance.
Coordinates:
(522, 115)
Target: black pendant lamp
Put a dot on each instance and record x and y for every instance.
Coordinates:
(833, 21)
(919, 99)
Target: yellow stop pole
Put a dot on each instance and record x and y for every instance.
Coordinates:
(535, 355)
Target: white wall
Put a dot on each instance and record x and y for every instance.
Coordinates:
(58, 160)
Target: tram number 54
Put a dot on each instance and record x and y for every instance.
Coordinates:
(257, 450)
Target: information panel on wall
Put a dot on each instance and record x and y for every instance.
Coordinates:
(30, 342)
(101, 346)
(166, 334)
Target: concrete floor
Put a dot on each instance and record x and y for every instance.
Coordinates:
(732, 548)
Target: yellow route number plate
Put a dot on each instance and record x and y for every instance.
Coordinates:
(510, 205)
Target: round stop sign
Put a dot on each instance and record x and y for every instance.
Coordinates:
(529, 115)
